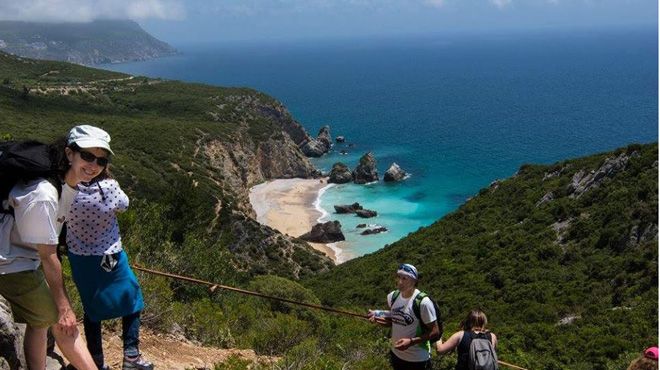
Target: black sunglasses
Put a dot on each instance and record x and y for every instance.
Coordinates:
(89, 157)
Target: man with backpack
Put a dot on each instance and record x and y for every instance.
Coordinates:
(414, 320)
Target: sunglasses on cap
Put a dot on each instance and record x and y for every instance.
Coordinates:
(406, 268)
(89, 157)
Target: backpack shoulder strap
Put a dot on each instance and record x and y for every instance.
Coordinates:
(395, 295)
(417, 302)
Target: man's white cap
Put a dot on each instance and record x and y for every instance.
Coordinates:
(86, 136)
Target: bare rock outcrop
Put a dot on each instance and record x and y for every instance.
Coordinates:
(394, 173)
(10, 338)
(348, 208)
(376, 230)
(319, 146)
(366, 213)
(340, 174)
(328, 232)
(366, 170)
(549, 197)
(584, 181)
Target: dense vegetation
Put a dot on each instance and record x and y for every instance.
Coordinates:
(569, 282)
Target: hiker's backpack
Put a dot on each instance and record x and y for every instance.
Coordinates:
(24, 161)
(482, 353)
(417, 302)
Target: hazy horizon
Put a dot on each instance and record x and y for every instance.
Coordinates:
(199, 21)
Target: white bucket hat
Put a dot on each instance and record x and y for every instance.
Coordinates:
(86, 136)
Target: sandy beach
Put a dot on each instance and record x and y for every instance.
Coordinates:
(289, 206)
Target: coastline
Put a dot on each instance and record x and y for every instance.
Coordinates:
(292, 206)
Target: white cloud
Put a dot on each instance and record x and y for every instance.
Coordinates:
(88, 10)
(501, 3)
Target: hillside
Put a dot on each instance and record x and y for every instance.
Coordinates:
(563, 259)
(97, 42)
(188, 153)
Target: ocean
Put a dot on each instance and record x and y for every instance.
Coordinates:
(454, 111)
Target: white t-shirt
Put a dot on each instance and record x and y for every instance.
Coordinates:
(38, 219)
(404, 324)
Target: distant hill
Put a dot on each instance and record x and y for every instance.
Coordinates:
(563, 258)
(97, 42)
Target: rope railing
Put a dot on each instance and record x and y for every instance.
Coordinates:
(213, 287)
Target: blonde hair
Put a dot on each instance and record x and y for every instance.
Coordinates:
(476, 319)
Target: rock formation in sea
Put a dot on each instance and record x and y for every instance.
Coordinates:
(376, 230)
(319, 146)
(366, 213)
(348, 208)
(340, 174)
(394, 173)
(340, 139)
(324, 137)
(366, 170)
(328, 232)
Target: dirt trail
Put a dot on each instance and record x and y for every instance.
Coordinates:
(170, 353)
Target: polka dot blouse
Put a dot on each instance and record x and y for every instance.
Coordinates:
(92, 228)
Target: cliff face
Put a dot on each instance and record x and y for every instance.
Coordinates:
(90, 43)
(220, 141)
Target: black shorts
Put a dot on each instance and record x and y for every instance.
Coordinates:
(399, 364)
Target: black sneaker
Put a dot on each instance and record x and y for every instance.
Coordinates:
(137, 364)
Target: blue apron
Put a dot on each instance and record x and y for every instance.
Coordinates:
(106, 294)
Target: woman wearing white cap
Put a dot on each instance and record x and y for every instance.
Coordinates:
(108, 287)
(29, 238)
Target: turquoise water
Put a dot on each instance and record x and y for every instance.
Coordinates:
(457, 112)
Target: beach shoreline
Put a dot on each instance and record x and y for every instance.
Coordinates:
(291, 206)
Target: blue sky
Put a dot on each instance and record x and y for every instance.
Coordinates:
(181, 21)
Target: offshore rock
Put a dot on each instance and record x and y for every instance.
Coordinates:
(319, 146)
(324, 137)
(376, 230)
(366, 170)
(328, 232)
(348, 208)
(366, 213)
(340, 174)
(394, 173)
(313, 148)
(340, 139)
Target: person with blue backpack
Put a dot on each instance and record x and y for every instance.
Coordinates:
(38, 183)
(475, 345)
(414, 320)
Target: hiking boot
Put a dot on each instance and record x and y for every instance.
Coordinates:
(138, 363)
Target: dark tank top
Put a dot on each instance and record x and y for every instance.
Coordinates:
(463, 349)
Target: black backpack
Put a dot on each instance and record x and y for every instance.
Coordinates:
(24, 161)
(417, 302)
